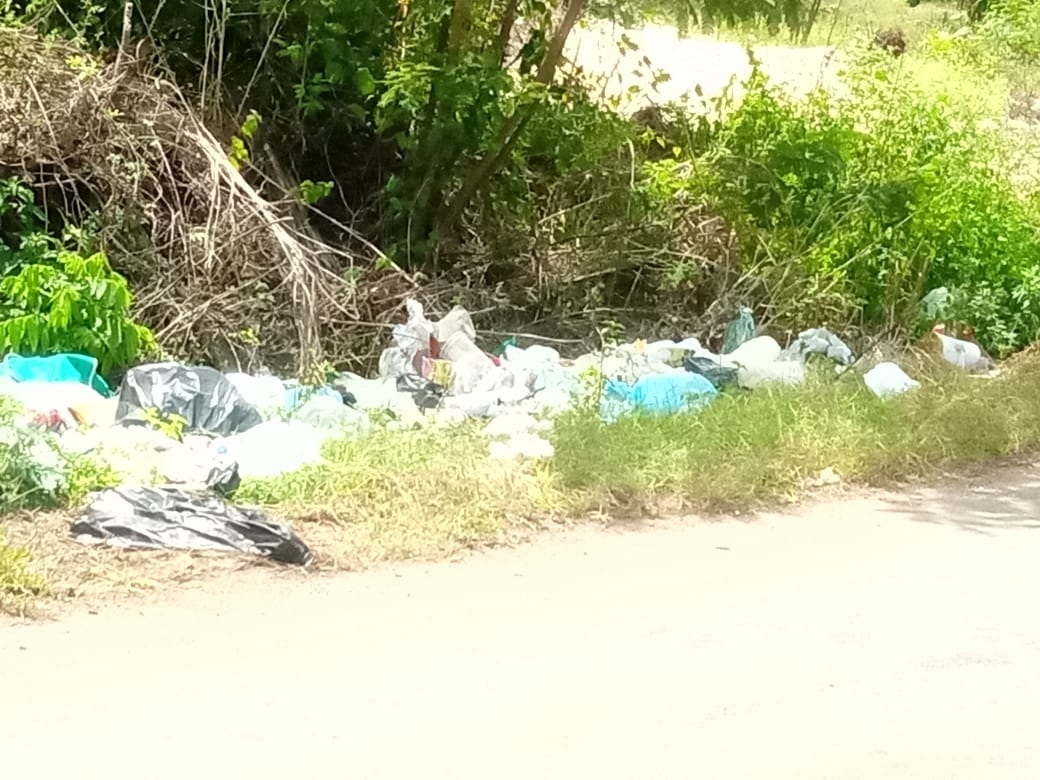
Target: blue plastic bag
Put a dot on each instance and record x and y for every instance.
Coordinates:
(657, 394)
(55, 368)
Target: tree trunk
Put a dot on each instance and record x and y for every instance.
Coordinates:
(493, 161)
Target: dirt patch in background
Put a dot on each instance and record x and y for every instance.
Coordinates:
(699, 68)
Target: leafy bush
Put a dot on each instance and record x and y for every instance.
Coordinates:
(1013, 27)
(35, 473)
(796, 16)
(55, 300)
(74, 304)
(428, 104)
(856, 207)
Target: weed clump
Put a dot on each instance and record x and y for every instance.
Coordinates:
(850, 209)
(18, 583)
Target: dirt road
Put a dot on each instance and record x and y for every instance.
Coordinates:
(699, 68)
(875, 637)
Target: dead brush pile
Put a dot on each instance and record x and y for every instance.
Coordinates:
(219, 273)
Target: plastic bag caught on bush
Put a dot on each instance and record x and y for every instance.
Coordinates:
(411, 343)
(168, 518)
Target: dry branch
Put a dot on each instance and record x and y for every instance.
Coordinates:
(219, 272)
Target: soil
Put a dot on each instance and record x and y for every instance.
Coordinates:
(699, 68)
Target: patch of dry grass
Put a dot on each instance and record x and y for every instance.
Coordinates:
(71, 571)
(394, 496)
(19, 584)
(402, 495)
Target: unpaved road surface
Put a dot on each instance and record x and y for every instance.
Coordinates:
(699, 68)
(885, 636)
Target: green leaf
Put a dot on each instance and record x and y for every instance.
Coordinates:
(250, 125)
(365, 82)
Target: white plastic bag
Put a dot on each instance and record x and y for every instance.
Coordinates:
(272, 448)
(455, 321)
(328, 414)
(265, 393)
(888, 379)
(468, 362)
(758, 362)
(521, 445)
(411, 339)
(963, 354)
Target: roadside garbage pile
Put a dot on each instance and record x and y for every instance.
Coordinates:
(181, 438)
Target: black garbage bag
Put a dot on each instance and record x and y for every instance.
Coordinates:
(170, 518)
(203, 396)
(716, 373)
(224, 479)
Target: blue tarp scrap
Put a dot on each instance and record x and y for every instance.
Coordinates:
(55, 368)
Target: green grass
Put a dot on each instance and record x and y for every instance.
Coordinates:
(750, 448)
(400, 495)
(851, 19)
(429, 494)
(19, 585)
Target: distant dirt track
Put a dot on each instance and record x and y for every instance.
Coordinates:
(697, 61)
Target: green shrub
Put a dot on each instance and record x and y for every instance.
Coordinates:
(865, 203)
(56, 300)
(17, 582)
(1013, 28)
(35, 473)
(73, 304)
(795, 16)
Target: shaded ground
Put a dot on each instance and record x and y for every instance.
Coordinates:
(888, 635)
